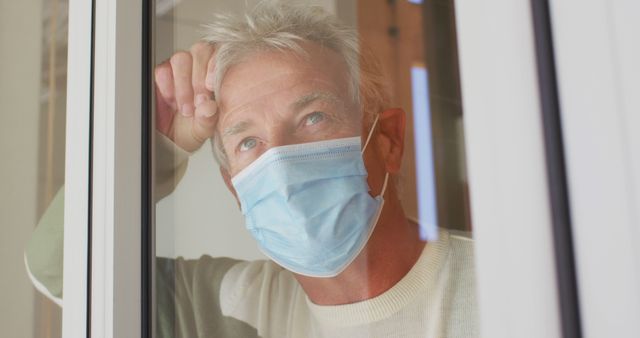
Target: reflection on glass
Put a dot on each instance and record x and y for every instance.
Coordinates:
(305, 222)
(425, 180)
(32, 101)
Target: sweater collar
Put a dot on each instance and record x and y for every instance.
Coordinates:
(421, 277)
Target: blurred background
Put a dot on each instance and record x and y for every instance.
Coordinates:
(33, 64)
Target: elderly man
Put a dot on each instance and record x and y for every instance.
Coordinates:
(301, 127)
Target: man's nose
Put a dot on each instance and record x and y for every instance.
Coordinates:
(281, 138)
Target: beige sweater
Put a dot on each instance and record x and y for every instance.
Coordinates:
(222, 297)
(435, 299)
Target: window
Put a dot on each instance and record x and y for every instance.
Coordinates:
(318, 180)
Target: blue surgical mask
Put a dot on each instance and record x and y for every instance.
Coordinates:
(308, 205)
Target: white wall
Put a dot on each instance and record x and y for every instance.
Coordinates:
(20, 62)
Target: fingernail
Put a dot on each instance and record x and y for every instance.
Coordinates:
(187, 109)
(201, 98)
(209, 112)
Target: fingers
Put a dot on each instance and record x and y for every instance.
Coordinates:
(164, 85)
(204, 124)
(185, 110)
(181, 65)
(201, 53)
(191, 132)
(210, 81)
(165, 98)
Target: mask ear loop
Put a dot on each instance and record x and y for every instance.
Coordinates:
(373, 127)
(384, 185)
(366, 143)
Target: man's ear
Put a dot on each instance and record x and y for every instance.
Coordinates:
(227, 181)
(390, 138)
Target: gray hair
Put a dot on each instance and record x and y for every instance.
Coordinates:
(282, 25)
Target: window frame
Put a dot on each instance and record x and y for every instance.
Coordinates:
(597, 51)
(77, 208)
(116, 283)
(509, 192)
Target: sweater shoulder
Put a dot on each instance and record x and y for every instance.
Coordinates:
(262, 294)
(461, 299)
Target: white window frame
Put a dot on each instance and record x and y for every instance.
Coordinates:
(597, 52)
(511, 216)
(77, 164)
(116, 208)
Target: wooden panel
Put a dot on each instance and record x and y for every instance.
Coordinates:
(393, 31)
(399, 33)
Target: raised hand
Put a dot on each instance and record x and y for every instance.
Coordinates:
(185, 109)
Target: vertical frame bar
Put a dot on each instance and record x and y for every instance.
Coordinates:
(75, 319)
(116, 238)
(556, 172)
(506, 168)
(597, 52)
(147, 234)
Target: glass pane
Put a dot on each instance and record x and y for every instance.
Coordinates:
(310, 175)
(33, 36)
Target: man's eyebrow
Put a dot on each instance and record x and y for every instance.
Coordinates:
(307, 99)
(297, 105)
(236, 128)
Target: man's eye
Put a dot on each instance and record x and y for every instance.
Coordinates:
(314, 118)
(248, 144)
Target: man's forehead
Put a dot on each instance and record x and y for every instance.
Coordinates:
(313, 63)
(279, 81)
